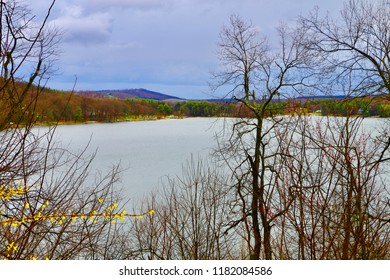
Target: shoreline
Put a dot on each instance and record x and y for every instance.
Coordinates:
(149, 118)
(173, 117)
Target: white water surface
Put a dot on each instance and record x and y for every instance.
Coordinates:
(147, 151)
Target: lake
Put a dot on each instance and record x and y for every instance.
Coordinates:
(148, 151)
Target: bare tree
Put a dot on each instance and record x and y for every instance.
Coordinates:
(259, 77)
(355, 46)
(305, 189)
(339, 166)
(355, 43)
(192, 213)
(48, 208)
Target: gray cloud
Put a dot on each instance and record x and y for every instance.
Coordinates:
(143, 5)
(163, 45)
(84, 28)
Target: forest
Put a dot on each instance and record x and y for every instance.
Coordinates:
(66, 107)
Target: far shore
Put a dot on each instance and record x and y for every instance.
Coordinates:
(156, 118)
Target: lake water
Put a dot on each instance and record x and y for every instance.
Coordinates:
(148, 151)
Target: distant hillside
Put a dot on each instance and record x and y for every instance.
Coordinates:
(129, 93)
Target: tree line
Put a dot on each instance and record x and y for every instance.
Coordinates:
(53, 106)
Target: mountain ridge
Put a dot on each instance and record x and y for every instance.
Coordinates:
(140, 93)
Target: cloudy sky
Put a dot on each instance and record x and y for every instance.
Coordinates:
(162, 45)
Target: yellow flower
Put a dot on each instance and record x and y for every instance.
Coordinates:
(26, 205)
(151, 212)
(100, 200)
(45, 204)
(38, 216)
(12, 246)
